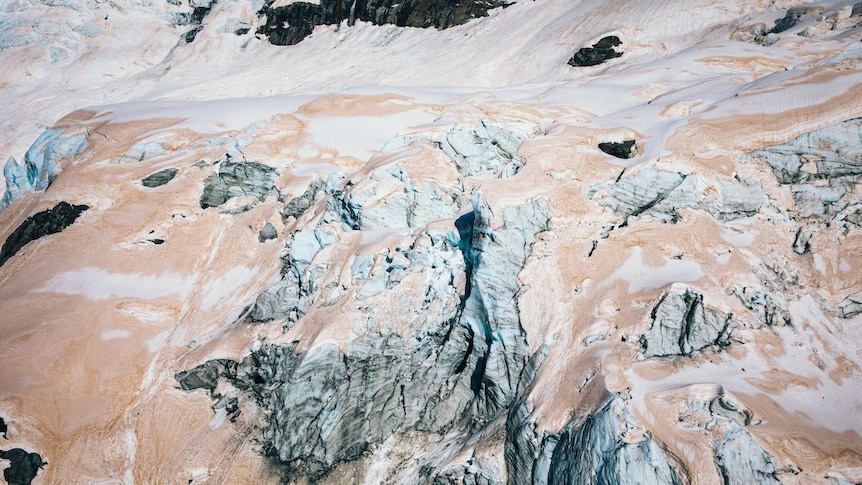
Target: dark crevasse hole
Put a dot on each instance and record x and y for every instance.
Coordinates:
(621, 149)
(464, 225)
(42, 224)
(601, 51)
(190, 35)
(24, 466)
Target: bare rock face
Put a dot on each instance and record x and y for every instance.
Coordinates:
(24, 466)
(41, 224)
(289, 24)
(159, 178)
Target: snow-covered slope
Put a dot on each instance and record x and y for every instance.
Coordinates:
(401, 255)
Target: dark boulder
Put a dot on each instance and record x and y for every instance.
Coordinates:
(267, 232)
(47, 222)
(24, 466)
(600, 52)
(159, 178)
(623, 149)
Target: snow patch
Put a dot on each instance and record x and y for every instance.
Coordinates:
(99, 284)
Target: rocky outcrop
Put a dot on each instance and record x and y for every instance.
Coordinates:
(623, 149)
(606, 447)
(159, 178)
(39, 225)
(602, 51)
(681, 324)
(237, 180)
(793, 16)
(42, 163)
(24, 466)
(289, 24)
(4, 428)
(455, 362)
(425, 179)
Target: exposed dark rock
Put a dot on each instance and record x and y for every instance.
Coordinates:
(159, 178)
(794, 16)
(681, 324)
(857, 10)
(235, 180)
(267, 232)
(601, 51)
(41, 224)
(289, 24)
(24, 466)
(622, 149)
(199, 13)
(190, 35)
(3, 428)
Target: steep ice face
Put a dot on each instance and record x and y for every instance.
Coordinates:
(42, 163)
(454, 368)
(606, 447)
